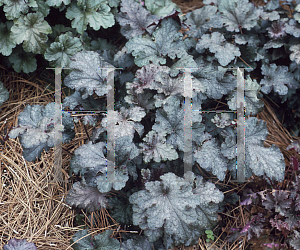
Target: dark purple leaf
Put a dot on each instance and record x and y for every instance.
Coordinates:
(295, 163)
(15, 244)
(278, 200)
(86, 197)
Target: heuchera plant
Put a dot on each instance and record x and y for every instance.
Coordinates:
(282, 207)
(171, 207)
(15, 244)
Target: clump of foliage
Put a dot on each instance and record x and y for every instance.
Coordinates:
(150, 119)
(279, 209)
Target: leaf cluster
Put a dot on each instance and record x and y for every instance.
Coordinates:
(177, 59)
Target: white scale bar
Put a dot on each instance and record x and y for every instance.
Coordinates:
(240, 123)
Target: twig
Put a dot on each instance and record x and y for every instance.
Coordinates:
(86, 132)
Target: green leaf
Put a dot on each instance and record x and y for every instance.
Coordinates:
(185, 62)
(167, 41)
(103, 44)
(87, 75)
(168, 85)
(297, 17)
(36, 129)
(135, 19)
(278, 78)
(83, 243)
(90, 161)
(58, 2)
(157, 149)
(144, 50)
(120, 209)
(128, 121)
(137, 243)
(210, 158)
(104, 242)
(238, 13)
(252, 103)
(86, 41)
(96, 14)
(224, 51)
(119, 181)
(170, 121)
(295, 241)
(64, 47)
(100, 242)
(198, 23)
(42, 7)
(114, 3)
(6, 43)
(14, 9)
(208, 232)
(4, 94)
(213, 81)
(171, 208)
(261, 160)
(161, 8)
(22, 61)
(32, 30)
(295, 55)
